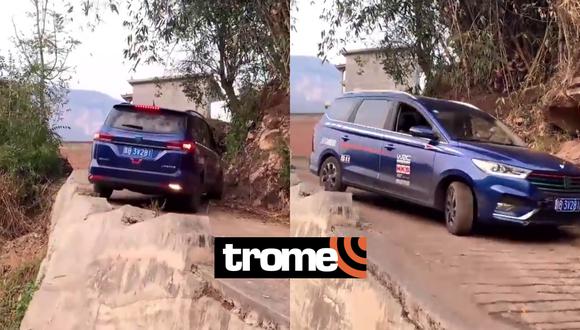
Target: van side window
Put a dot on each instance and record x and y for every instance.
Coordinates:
(213, 143)
(205, 134)
(373, 113)
(341, 109)
(408, 117)
(198, 131)
(193, 129)
(208, 136)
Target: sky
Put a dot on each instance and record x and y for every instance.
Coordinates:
(99, 64)
(98, 61)
(305, 37)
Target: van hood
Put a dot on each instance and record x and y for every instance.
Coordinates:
(520, 157)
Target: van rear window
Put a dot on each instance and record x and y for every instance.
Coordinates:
(159, 122)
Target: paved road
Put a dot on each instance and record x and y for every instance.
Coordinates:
(527, 278)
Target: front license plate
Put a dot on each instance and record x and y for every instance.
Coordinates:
(134, 152)
(567, 205)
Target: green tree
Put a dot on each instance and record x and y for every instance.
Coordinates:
(411, 33)
(45, 50)
(29, 149)
(275, 45)
(465, 43)
(225, 45)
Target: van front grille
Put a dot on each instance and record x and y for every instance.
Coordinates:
(555, 182)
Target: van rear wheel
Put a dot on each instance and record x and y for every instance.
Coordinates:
(331, 175)
(193, 202)
(102, 192)
(459, 209)
(217, 190)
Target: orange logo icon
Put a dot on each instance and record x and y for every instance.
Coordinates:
(352, 255)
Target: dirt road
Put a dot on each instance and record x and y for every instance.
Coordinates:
(524, 277)
(302, 125)
(226, 221)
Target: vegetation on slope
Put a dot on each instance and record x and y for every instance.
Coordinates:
(523, 53)
(33, 85)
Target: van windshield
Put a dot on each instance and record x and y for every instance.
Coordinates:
(159, 122)
(464, 123)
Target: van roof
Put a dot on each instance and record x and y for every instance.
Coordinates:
(430, 103)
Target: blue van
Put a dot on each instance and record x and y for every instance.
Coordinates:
(445, 155)
(159, 151)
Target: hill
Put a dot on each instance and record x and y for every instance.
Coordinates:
(86, 112)
(312, 83)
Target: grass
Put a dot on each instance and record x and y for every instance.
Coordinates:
(157, 206)
(24, 208)
(16, 291)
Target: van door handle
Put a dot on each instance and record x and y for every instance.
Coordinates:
(389, 146)
(345, 138)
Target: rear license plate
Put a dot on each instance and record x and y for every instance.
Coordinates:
(567, 205)
(137, 152)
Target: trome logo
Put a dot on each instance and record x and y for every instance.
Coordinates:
(290, 257)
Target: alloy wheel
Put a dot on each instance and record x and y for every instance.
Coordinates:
(451, 206)
(328, 174)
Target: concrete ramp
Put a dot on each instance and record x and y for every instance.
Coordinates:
(128, 268)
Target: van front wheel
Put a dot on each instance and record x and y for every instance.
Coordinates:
(459, 209)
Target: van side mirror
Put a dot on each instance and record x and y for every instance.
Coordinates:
(423, 132)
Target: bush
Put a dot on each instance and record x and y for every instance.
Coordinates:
(29, 153)
(29, 149)
(242, 122)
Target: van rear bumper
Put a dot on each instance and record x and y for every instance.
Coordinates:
(143, 182)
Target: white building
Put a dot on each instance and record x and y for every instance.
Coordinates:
(166, 92)
(363, 70)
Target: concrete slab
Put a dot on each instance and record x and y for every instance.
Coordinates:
(121, 266)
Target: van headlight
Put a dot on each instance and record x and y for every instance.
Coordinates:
(499, 169)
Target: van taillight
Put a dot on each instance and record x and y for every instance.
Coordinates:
(142, 107)
(181, 145)
(103, 137)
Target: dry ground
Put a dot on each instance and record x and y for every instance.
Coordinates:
(301, 130)
(77, 153)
